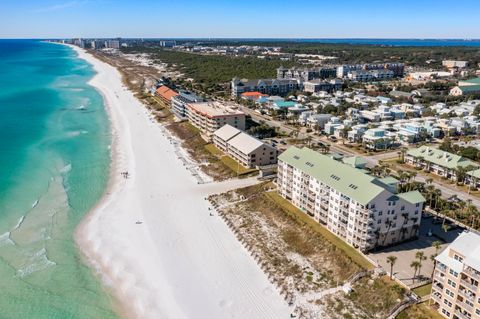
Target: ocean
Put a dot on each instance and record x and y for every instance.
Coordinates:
(355, 41)
(54, 160)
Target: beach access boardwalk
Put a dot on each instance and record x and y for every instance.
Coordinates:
(154, 238)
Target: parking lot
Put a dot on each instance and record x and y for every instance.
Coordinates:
(405, 252)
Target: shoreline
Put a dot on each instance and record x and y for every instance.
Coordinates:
(151, 239)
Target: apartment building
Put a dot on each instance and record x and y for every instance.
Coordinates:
(306, 74)
(165, 94)
(210, 116)
(438, 162)
(265, 86)
(365, 211)
(243, 148)
(397, 68)
(179, 103)
(455, 286)
(318, 85)
(370, 75)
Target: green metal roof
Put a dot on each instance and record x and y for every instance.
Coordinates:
(439, 157)
(355, 161)
(413, 197)
(350, 181)
(475, 81)
(389, 180)
(470, 88)
(475, 173)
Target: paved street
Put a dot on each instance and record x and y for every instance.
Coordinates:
(447, 190)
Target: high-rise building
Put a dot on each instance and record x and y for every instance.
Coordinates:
(455, 286)
(364, 210)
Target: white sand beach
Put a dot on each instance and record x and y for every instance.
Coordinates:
(152, 238)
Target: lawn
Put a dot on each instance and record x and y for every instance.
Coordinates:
(213, 149)
(235, 166)
(305, 219)
(228, 161)
(423, 290)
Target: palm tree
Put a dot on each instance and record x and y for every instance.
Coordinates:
(420, 255)
(436, 244)
(415, 264)
(391, 260)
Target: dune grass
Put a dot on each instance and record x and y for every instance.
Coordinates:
(335, 240)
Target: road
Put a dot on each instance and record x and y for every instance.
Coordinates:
(447, 190)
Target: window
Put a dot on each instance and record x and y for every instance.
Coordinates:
(451, 283)
(457, 257)
(453, 273)
(417, 205)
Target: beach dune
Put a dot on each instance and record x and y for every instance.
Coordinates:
(152, 239)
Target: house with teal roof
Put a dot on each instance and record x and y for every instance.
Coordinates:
(466, 87)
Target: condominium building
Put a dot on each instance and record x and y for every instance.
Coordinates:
(243, 148)
(165, 94)
(455, 286)
(438, 162)
(306, 74)
(365, 211)
(265, 86)
(370, 75)
(179, 103)
(210, 116)
(396, 68)
(318, 85)
(452, 64)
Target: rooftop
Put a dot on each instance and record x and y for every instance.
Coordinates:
(348, 180)
(245, 143)
(215, 108)
(468, 245)
(166, 92)
(227, 132)
(441, 158)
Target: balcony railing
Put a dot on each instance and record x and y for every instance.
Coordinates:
(472, 273)
(461, 315)
(468, 285)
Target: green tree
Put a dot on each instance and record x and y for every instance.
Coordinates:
(391, 260)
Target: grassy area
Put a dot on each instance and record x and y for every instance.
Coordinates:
(228, 161)
(199, 149)
(307, 220)
(235, 166)
(213, 149)
(423, 290)
(420, 311)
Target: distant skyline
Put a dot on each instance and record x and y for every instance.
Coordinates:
(247, 19)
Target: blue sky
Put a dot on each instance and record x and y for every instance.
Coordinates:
(247, 18)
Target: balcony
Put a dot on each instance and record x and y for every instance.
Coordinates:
(467, 294)
(468, 285)
(437, 297)
(472, 273)
(461, 314)
(464, 306)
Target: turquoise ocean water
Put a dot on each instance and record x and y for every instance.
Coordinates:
(54, 163)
